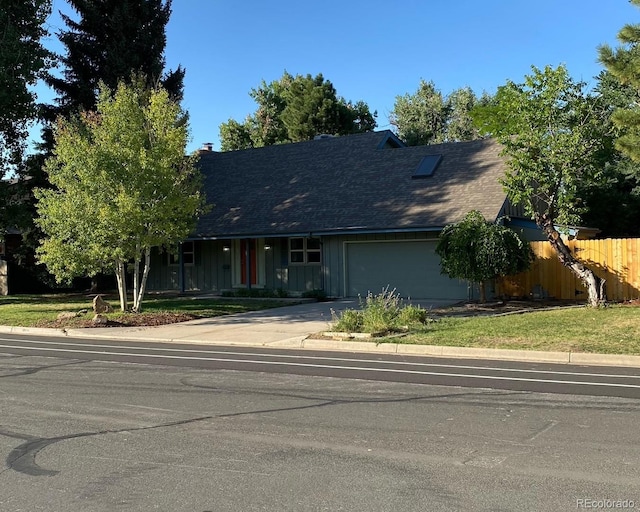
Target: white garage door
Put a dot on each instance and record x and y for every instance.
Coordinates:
(411, 267)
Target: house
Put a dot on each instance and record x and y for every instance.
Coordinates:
(345, 215)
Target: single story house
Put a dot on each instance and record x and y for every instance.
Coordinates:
(345, 215)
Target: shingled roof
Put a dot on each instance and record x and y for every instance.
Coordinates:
(355, 183)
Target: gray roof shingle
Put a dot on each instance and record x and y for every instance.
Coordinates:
(347, 184)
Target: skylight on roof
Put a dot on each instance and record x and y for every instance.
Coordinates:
(427, 166)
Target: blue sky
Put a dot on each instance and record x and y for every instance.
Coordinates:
(372, 50)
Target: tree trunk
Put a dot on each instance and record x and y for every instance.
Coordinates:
(595, 285)
(136, 280)
(122, 284)
(137, 301)
(483, 292)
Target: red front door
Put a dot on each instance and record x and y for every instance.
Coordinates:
(252, 259)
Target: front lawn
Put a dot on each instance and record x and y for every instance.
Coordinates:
(43, 310)
(611, 330)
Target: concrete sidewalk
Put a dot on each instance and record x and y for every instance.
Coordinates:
(294, 326)
(286, 326)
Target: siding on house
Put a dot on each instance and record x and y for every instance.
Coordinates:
(210, 271)
(213, 268)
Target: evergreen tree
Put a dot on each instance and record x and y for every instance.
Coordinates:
(23, 60)
(624, 64)
(111, 41)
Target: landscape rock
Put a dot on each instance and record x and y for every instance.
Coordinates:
(99, 319)
(101, 306)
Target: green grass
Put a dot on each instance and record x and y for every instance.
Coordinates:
(611, 330)
(34, 310)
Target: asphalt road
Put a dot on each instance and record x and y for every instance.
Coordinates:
(541, 377)
(85, 428)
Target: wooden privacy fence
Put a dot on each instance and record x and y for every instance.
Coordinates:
(616, 260)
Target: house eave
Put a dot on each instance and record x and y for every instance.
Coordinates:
(317, 233)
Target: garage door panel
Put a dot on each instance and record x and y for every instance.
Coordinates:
(412, 268)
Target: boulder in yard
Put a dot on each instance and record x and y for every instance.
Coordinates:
(101, 306)
(99, 319)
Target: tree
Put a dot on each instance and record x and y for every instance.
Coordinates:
(23, 60)
(478, 250)
(624, 64)
(612, 203)
(293, 109)
(549, 130)
(112, 41)
(107, 41)
(428, 117)
(122, 186)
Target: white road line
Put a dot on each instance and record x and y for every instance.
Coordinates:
(336, 367)
(340, 359)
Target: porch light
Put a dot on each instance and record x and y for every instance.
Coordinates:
(226, 248)
(267, 247)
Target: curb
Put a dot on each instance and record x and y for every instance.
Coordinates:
(39, 331)
(583, 358)
(310, 343)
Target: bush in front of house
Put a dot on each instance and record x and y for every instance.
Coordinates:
(381, 313)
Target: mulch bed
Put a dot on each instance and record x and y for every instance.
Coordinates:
(126, 320)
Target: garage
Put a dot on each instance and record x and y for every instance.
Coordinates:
(412, 267)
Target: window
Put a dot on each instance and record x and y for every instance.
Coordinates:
(304, 251)
(188, 254)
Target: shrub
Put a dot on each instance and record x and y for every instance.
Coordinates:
(411, 315)
(380, 313)
(349, 320)
(318, 294)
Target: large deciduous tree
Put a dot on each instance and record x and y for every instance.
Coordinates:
(23, 61)
(429, 117)
(293, 109)
(478, 250)
(549, 129)
(122, 186)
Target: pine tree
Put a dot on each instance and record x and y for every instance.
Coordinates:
(111, 41)
(624, 64)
